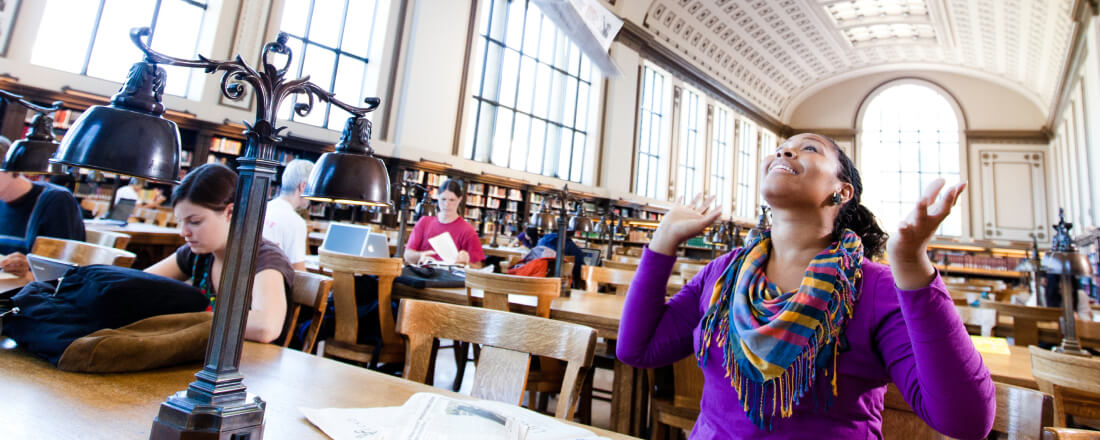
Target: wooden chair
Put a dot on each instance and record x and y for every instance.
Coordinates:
(627, 259)
(1021, 413)
(617, 279)
(1025, 319)
(164, 218)
(985, 319)
(689, 270)
(1053, 433)
(310, 290)
(681, 409)
(1073, 381)
(81, 253)
(110, 239)
(508, 340)
(345, 343)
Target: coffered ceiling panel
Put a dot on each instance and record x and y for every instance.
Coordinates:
(773, 51)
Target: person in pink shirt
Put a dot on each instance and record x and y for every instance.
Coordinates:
(446, 219)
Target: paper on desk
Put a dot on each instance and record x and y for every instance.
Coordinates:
(990, 345)
(432, 416)
(444, 246)
(7, 276)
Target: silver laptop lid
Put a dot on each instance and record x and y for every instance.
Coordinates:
(46, 268)
(346, 238)
(377, 246)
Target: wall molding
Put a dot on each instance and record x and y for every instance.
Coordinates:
(1029, 137)
(1083, 12)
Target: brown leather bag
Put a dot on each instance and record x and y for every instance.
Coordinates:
(155, 342)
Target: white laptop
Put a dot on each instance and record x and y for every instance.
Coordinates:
(351, 239)
(46, 268)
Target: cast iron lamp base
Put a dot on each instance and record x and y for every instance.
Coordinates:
(184, 418)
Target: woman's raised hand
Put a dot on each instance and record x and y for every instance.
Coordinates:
(907, 247)
(683, 222)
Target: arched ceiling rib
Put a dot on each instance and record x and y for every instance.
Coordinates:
(774, 53)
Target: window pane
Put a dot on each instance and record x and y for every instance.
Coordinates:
(62, 50)
(295, 13)
(324, 26)
(349, 88)
(360, 19)
(178, 27)
(318, 63)
(114, 53)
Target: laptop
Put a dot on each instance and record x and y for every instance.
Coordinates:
(120, 213)
(351, 239)
(591, 256)
(46, 268)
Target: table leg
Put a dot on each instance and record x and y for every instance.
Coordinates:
(622, 395)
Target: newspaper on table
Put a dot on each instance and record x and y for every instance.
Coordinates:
(433, 416)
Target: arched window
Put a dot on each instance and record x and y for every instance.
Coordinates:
(909, 136)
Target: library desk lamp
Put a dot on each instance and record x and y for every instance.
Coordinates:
(31, 155)
(1069, 266)
(579, 222)
(423, 207)
(130, 137)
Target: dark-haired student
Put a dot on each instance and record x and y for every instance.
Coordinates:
(448, 199)
(203, 204)
(29, 210)
(799, 332)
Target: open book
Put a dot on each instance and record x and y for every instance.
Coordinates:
(433, 416)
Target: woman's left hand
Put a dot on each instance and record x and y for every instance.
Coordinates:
(463, 258)
(906, 248)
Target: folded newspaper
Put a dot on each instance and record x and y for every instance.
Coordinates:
(432, 416)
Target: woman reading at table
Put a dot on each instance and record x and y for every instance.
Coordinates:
(799, 332)
(203, 203)
(447, 220)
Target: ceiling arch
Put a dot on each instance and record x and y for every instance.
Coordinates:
(775, 53)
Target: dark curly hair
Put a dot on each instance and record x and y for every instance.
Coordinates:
(853, 215)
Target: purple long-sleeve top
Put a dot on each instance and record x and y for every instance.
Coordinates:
(913, 338)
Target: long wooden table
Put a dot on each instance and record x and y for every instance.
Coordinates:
(40, 401)
(150, 243)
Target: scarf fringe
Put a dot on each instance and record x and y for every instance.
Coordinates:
(797, 379)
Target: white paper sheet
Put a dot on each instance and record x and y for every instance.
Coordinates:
(444, 246)
(7, 276)
(433, 416)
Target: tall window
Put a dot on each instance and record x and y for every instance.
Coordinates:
(338, 44)
(746, 169)
(535, 104)
(652, 170)
(693, 131)
(92, 37)
(721, 157)
(910, 132)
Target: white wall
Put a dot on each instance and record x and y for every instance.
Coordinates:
(987, 106)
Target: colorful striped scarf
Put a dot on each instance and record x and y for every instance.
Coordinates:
(774, 342)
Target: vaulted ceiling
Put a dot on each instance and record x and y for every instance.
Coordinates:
(775, 53)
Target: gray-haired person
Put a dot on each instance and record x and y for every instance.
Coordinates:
(282, 225)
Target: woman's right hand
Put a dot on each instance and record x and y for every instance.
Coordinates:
(683, 222)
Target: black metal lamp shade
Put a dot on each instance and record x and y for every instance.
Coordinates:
(601, 226)
(29, 157)
(351, 174)
(129, 137)
(579, 222)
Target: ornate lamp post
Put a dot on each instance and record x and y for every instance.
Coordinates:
(216, 405)
(1064, 261)
(405, 188)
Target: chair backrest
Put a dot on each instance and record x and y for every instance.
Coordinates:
(689, 270)
(344, 267)
(164, 218)
(1025, 319)
(618, 279)
(620, 265)
(1021, 412)
(687, 383)
(507, 342)
(1054, 433)
(627, 259)
(81, 253)
(1073, 381)
(986, 319)
(496, 287)
(309, 290)
(110, 239)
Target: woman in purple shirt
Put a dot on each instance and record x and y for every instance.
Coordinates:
(799, 332)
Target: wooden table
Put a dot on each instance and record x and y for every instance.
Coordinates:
(1013, 368)
(151, 243)
(504, 251)
(41, 401)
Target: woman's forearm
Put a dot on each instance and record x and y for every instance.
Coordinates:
(912, 272)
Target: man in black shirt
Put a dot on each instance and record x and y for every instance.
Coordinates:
(29, 210)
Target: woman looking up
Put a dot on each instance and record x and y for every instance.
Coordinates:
(447, 220)
(799, 332)
(203, 204)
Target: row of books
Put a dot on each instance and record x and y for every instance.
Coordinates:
(976, 261)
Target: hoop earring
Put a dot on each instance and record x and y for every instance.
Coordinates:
(837, 199)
